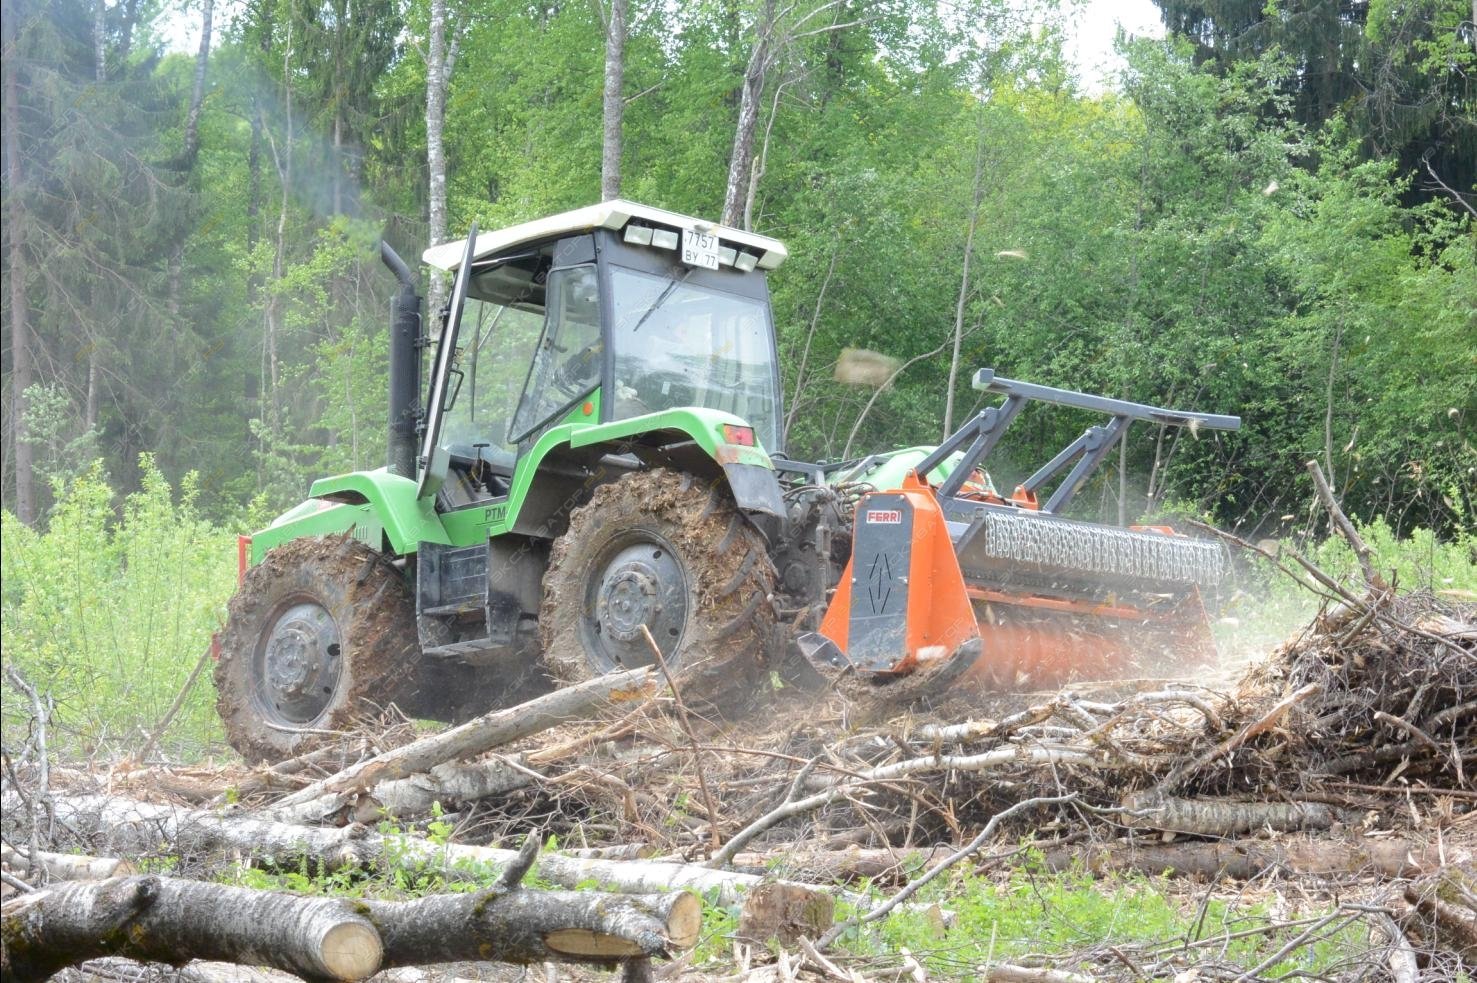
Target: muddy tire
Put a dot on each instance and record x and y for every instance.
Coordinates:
(670, 552)
(321, 633)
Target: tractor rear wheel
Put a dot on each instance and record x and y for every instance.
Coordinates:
(321, 632)
(669, 553)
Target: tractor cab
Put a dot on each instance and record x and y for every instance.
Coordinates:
(603, 314)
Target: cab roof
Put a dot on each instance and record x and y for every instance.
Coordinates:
(614, 215)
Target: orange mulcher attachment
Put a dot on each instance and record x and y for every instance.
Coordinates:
(960, 583)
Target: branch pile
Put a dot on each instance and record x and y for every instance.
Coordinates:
(1350, 752)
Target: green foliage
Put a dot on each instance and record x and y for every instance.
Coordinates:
(1037, 912)
(108, 611)
(1239, 226)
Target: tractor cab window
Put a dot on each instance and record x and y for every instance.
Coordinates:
(566, 363)
(501, 322)
(681, 344)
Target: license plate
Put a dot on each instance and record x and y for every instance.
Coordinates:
(699, 249)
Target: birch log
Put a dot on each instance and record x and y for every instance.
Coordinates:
(168, 920)
(67, 866)
(174, 921)
(474, 737)
(126, 826)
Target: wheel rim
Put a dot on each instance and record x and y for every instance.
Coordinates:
(299, 663)
(638, 581)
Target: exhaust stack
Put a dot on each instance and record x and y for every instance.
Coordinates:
(405, 367)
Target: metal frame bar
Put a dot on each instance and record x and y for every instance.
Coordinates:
(979, 436)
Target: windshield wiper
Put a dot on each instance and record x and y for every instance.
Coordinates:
(662, 298)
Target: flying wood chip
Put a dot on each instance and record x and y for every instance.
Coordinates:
(861, 367)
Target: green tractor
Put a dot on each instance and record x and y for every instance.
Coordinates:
(591, 474)
(596, 473)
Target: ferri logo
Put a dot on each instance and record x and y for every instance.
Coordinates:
(885, 517)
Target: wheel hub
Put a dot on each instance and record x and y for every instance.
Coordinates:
(300, 664)
(641, 585)
(629, 599)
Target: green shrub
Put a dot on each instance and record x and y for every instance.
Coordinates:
(108, 610)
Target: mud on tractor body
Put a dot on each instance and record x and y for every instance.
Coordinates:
(595, 473)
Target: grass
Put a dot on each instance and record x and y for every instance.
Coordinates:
(1033, 912)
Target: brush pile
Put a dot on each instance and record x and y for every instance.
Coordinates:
(1349, 754)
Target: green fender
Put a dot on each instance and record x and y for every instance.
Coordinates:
(703, 426)
(371, 504)
(382, 509)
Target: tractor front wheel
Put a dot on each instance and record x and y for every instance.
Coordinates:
(321, 632)
(662, 558)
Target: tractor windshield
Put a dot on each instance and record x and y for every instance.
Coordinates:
(680, 344)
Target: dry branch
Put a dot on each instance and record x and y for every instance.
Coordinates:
(476, 736)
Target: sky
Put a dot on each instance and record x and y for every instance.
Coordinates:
(1089, 34)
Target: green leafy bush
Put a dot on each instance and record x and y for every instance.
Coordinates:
(108, 611)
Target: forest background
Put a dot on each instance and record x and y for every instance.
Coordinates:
(1269, 212)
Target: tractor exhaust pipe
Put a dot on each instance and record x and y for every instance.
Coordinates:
(405, 367)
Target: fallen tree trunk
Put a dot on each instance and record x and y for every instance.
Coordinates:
(826, 866)
(168, 920)
(1214, 817)
(1246, 859)
(174, 921)
(127, 826)
(475, 736)
(66, 866)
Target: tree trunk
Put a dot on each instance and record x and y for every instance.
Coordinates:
(741, 158)
(197, 90)
(169, 920)
(435, 153)
(615, 100)
(21, 370)
(100, 39)
(69, 866)
(126, 827)
(974, 221)
(476, 736)
(527, 927)
(1215, 817)
(1246, 859)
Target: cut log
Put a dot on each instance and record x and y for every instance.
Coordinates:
(115, 969)
(784, 913)
(827, 866)
(69, 867)
(527, 927)
(169, 920)
(1214, 817)
(478, 736)
(127, 826)
(1245, 859)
